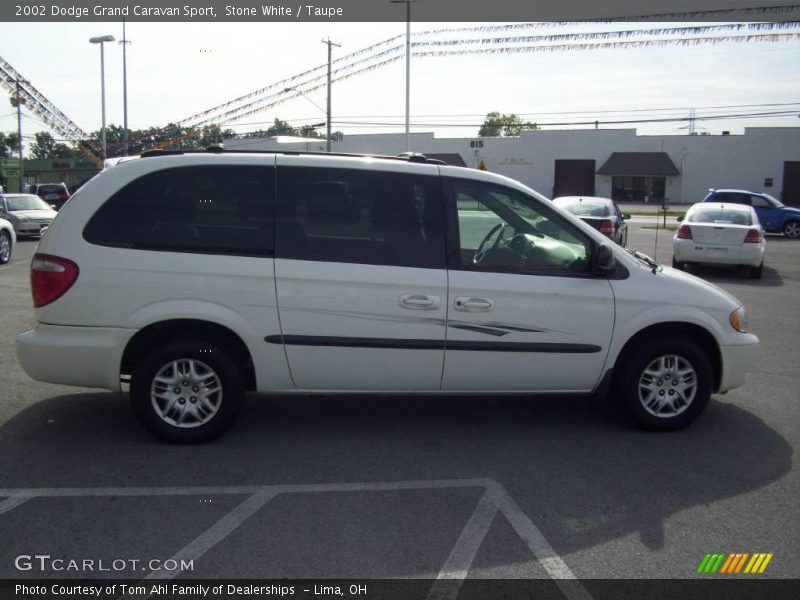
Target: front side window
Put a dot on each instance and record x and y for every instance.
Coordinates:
(501, 229)
(360, 216)
(206, 209)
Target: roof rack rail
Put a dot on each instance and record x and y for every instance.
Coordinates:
(414, 157)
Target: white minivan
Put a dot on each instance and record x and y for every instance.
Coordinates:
(190, 278)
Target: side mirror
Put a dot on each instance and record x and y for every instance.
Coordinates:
(604, 258)
(626, 216)
(680, 219)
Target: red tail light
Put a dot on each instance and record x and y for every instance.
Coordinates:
(684, 233)
(63, 196)
(607, 227)
(51, 277)
(753, 237)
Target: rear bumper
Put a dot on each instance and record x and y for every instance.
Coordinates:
(750, 255)
(736, 361)
(80, 356)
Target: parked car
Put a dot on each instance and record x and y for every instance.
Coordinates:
(188, 278)
(8, 240)
(601, 213)
(774, 215)
(716, 233)
(55, 194)
(29, 214)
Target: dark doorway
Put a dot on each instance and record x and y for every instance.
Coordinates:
(574, 178)
(791, 183)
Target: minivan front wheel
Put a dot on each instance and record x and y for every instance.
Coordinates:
(666, 383)
(187, 392)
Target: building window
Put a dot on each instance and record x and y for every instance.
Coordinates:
(638, 189)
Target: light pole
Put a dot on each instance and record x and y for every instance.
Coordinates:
(124, 43)
(101, 40)
(408, 68)
(328, 140)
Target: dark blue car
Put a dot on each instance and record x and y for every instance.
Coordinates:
(775, 217)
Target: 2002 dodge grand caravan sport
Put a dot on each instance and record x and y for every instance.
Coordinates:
(190, 278)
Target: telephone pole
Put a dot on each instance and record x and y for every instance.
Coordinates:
(330, 45)
(19, 132)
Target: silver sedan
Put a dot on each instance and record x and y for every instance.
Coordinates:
(29, 214)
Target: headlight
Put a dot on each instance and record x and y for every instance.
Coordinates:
(739, 320)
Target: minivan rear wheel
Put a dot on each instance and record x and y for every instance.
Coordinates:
(187, 391)
(666, 383)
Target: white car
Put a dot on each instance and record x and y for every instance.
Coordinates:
(29, 214)
(190, 278)
(718, 233)
(8, 240)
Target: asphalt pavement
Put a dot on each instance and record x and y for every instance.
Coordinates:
(368, 486)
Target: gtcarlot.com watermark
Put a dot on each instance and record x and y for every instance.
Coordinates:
(47, 563)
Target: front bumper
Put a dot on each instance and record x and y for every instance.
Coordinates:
(81, 356)
(30, 228)
(736, 361)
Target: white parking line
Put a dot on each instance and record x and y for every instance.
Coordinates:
(457, 565)
(452, 574)
(217, 532)
(12, 503)
(542, 550)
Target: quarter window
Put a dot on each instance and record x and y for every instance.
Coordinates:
(206, 209)
(360, 216)
(501, 229)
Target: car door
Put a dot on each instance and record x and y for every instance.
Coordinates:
(767, 215)
(360, 273)
(525, 312)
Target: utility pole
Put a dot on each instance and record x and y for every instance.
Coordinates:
(19, 131)
(124, 43)
(408, 68)
(330, 45)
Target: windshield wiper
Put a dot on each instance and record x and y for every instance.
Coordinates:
(645, 259)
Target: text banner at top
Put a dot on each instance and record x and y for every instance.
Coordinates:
(388, 10)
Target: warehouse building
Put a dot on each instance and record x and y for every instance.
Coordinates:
(616, 163)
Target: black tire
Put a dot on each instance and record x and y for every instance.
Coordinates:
(791, 229)
(642, 358)
(214, 369)
(5, 238)
(757, 272)
(678, 265)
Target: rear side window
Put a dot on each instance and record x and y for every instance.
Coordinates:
(360, 216)
(206, 209)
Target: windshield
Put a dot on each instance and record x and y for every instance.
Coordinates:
(26, 202)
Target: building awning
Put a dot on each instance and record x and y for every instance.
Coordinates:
(639, 164)
(450, 159)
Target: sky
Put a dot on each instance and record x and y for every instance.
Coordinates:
(178, 69)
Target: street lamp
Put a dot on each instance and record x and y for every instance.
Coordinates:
(101, 40)
(408, 67)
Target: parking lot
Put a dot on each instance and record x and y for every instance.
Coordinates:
(410, 487)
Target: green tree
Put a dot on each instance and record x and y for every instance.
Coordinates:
(499, 125)
(46, 147)
(9, 144)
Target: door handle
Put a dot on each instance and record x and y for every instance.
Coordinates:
(420, 302)
(474, 304)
